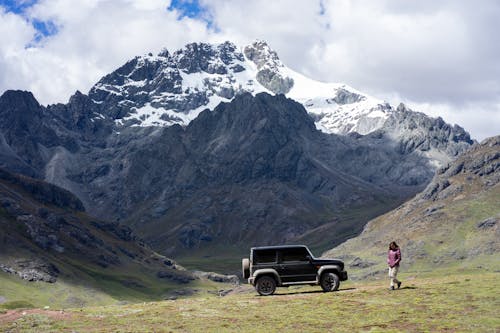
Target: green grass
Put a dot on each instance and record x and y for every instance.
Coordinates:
(458, 302)
(23, 294)
(90, 286)
(16, 305)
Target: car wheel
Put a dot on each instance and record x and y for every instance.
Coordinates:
(265, 285)
(245, 266)
(330, 281)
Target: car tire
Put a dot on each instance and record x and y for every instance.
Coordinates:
(265, 285)
(330, 281)
(245, 267)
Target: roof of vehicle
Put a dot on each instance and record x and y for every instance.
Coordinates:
(276, 247)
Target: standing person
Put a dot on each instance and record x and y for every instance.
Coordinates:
(393, 260)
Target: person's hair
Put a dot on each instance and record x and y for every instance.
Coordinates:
(393, 245)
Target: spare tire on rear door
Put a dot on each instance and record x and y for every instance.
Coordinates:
(245, 266)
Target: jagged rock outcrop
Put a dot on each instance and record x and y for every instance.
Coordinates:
(480, 161)
(32, 270)
(434, 138)
(268, 66)
(170, 85)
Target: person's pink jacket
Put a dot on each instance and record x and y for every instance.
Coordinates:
(393, 258)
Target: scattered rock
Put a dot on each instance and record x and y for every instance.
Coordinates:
(180, 293)
(32, 270)
(233, 279)
(432, 210)
(488, 223)
(360, 263)
(175, 276)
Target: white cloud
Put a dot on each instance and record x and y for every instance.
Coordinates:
(94, 38)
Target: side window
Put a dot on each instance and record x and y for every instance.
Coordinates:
(297, 254)
(264, 256)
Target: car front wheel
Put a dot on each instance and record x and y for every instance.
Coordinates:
(265, 285)
(330, 281)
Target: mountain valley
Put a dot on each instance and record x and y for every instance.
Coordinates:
(199, 150)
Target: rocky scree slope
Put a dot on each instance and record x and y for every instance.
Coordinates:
(455, 221)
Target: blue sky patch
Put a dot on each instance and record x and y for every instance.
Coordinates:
(43, 28)
(187, 8)
(16, 6)
(192, 9)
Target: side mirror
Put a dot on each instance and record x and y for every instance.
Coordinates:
(309, 258)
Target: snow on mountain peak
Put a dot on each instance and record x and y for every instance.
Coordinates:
(174, 87)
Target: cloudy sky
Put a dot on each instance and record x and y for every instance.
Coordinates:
(440, 57)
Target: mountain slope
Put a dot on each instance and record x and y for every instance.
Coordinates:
(253, 171)
(453, 222)
(53, 253)
(143, 148)
(258, 160)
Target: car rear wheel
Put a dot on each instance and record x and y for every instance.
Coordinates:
(245, 266)
(265, 285)
(330, 281)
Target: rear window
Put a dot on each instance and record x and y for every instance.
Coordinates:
(264, 256)
(295, 254)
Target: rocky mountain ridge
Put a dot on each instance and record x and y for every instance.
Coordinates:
(173, 88)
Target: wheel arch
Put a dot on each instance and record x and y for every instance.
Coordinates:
(269, 272)
(328, 268)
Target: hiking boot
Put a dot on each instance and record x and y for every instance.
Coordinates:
(399, 284)
(391, 288)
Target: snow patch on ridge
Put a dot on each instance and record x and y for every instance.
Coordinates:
(338, 108)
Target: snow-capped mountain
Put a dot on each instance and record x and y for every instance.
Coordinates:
(257, 158)
(169, 89)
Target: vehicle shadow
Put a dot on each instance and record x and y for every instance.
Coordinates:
(303, 292)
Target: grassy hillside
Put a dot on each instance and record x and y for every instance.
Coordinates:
(455, 222)
(463, 301)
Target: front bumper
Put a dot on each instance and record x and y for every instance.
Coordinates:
(343, 276)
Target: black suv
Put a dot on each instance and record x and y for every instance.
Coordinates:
(281, 266)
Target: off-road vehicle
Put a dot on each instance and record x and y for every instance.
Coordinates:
(281, 266)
